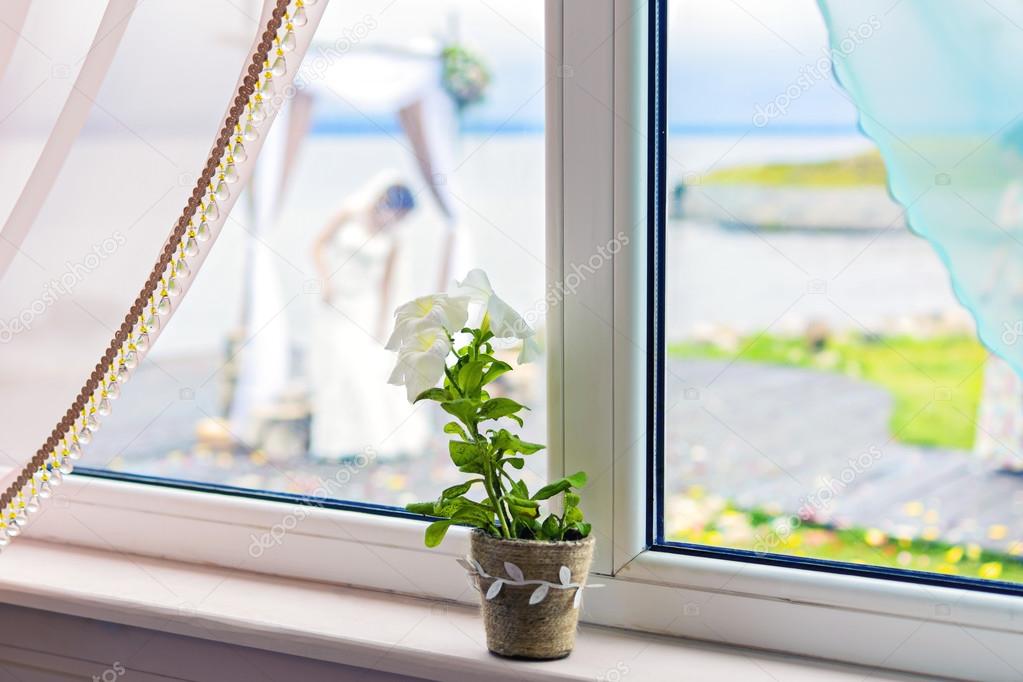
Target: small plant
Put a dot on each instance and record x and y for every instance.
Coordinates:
(433, 341)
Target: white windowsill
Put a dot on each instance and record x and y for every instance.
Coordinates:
(375, 630)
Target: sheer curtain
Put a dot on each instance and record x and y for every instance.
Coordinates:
(937, 84)
(126, 165)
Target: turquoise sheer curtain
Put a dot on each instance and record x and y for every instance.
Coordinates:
(939, 88)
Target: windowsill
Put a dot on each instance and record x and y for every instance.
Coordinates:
(376, 630)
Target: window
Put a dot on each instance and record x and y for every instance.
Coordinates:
(818, 402)
(647, 197)
(388, 178)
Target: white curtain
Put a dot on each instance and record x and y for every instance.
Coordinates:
(84, 252)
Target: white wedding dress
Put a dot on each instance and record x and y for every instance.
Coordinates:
(355, 411)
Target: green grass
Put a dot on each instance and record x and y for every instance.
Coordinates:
(935, 383)
(863, 169)
(853, 545)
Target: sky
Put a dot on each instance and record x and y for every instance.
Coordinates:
(179, 57)
(725, 58)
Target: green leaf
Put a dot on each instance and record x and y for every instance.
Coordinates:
(519, 489)
(436, 531)
(425, 508)
(460, 489)
(576, 480)
(463, 453)
(583, 528)
(516, 462)
(463, 408)
(572, 500)
(573, 515)
(551, 528)
(455, 428)
(497, 368)
(473, 467)
(495, 408)
(438, 394)
(503, 440)
(474, 513)
(521, 501)
(523, 512)
(470, 377)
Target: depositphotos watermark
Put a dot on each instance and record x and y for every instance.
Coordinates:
(818, 501)
(327, 488)
(320, 58)
(814, 72)
(111, 674)
(578, 273)
(75, 272)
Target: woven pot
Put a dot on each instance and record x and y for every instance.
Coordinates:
(515, 628)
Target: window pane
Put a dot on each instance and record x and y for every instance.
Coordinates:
(273, 375)
(819, 402)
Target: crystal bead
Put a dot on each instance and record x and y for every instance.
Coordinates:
(92, 423)
(164, 306)
(230, 171)
(66, 466)
(84, 435)
(142, 339)
(113, 390)
(288, 41)
(250, 132)
(202, 233)
(173, 288)
(56, 478)
(152, 320)
(191, 246)
(103, 408)
(74, 450)
(222, 192)
(300, 18)
(131, 359)
(280, 66)
(268, 88)
(122, 374)
(238, 151)
(45, 490)
(182, 269)
(257, 111)
(20, 515)
(32, 505)
(12, 527)
(212, 211)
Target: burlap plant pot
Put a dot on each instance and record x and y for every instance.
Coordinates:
(516, 628)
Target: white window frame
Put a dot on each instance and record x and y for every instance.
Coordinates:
(596, 189)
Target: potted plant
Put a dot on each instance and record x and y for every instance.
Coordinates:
(529, 563)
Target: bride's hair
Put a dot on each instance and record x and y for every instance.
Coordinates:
(398, 197)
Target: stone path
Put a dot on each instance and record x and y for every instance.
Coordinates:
(780, 438)
(789, 439)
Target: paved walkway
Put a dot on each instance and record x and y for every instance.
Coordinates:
(758, 435)
(789, 439)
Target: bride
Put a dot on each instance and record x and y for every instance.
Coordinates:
(355, 412)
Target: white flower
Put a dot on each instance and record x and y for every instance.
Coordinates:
(436, 311)
(421, 361)
(505, 322)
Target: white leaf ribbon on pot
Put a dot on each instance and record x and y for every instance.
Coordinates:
(476, 574)
(513, 571)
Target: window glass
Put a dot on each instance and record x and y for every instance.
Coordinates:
(820, 402)
(411, 153)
